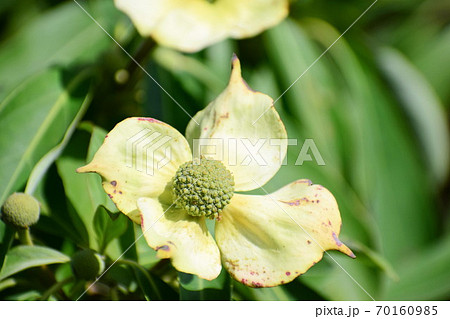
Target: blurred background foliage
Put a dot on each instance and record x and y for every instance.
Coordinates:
(376, 104)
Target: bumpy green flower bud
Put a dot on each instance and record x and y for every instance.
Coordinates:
(87, 265)
(20, 210)
(203, 187)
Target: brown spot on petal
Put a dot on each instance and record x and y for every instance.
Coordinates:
(233, 59)
(288, 273)
(171, 243)
(163, 247)
(296, 202)
(149, 119)
(114, 183)
(309, 242)
(225, 116)
(303, 181)
(110, 196)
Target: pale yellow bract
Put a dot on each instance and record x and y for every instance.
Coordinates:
(191, 25)
(262, 241)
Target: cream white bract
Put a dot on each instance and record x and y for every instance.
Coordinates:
(262, 241)
(191, 25)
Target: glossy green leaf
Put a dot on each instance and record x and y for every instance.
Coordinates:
(383, 163)
(23, 257)
(6, 239)
(62, 36)
(84, 191)
(145, 255)
(108, 226)
(43, 165)
(33, 119)
(146, 283)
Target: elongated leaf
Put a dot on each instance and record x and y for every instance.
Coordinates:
(424, 276)
(145, 255)
(33, 119)
(43, 165)
(423, 107)
(106, 228)
(178, 63)
(383, 160)
(23, 257)
(146, 283)
(63, 36)
(438, 49)
(84, 191)
(6, 238)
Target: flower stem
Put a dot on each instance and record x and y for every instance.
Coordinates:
(57, 286)
(25, 236)
(144, 271)
(141, 54)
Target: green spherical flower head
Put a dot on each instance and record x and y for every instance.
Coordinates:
(20, 210)
(203, 187)
(87, 265)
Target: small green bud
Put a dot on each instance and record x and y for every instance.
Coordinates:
(20, 210)
(87, 265)
(203, 187)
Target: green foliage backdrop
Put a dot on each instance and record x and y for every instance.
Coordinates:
(376, 104)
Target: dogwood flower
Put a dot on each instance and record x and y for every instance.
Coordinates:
(262, 241)
(195, 24)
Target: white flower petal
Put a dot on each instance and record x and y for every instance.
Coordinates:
(181, 237)
(139, 158)
(270, 240)
(195, 24)
(227, 132)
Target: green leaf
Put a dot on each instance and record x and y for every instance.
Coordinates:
(84, 191)
(374, 257)
(108, 226)
(33, 119)
(63, 36)
(423, 107)
(145, 255)
(43, 165)
(382, 160)
(437, 49)
(6, 239)
(146, 283)
(58, 216)
(180, 64)
(23, 257)
(195, 288)
(424, 276)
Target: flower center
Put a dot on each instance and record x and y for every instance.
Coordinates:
(203, 187)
